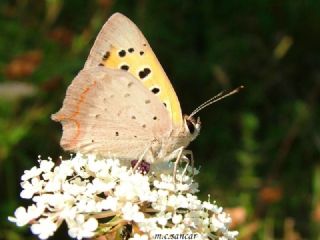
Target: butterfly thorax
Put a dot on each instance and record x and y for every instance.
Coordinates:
(165, 148)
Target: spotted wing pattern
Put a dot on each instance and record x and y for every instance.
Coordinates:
(121, 45)
(108, 111)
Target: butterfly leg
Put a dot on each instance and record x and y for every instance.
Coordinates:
(147, 149)
(188, 160)
(181, 155)
(176, 163)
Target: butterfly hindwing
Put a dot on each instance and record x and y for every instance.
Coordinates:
(121, 45)
(105, 109)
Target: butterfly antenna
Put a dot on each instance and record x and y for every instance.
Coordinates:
(216, 98)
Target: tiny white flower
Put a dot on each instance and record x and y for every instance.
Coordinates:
(21, 217)
(60, 201)
(232, 234)
(33, 172)
(132, 187)
(48, 176)
(194, 188)
(46, 165)
(206, 221)
(194, 203)
(95, 165)
(112, 163)
(82, 228)
(87, 205)
(44, 228)
(131, 212)
(110, 203)
(65, 169)
(31, 187)
(162, 218)
(53, 185)
(207, 205)
(148, 225)
(216, 224)
(176, 218)
(102, 186)
(68, 213)
(224, 217)
(182, 201)
(217, 209)
(183, 187)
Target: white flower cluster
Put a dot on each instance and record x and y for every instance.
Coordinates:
(102, 197)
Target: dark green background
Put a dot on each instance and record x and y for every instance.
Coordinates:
(258, 150)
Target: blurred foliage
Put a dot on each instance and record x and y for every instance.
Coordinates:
(259, 150)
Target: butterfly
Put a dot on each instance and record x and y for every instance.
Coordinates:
(122, 103)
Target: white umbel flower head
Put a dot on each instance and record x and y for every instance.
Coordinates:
(104, 197)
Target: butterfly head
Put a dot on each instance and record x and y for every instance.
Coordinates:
(192, 126)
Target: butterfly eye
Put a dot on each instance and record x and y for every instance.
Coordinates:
(190, 126)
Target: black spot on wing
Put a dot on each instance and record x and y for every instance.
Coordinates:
(144, 73)
(124, 67)
(141, 53)
(155, 90)
(122, 53)
(130, 50)
(106, 56)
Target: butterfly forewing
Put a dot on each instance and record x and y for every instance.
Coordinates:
(108, 111)
(121, 45)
